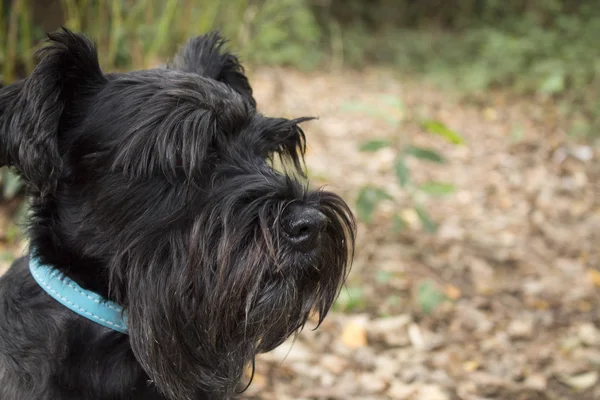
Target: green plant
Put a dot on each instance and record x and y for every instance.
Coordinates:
(10, 183)
(370, 196)
(542, 48)
(142, 33)
(429, 296)
(16, 39)
(351, 299)
(280, 32)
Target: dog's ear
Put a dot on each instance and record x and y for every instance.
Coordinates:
(32, 111)
(205, 56)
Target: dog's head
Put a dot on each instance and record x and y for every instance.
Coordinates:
(158, 189)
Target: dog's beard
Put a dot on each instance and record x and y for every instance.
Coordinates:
(204, 302)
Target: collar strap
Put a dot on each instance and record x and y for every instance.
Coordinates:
(85, 303)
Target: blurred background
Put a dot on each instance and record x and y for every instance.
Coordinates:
(464, 133)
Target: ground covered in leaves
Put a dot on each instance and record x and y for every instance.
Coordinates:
(501, 302)
(513, 270)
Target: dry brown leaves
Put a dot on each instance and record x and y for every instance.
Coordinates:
(517, 252)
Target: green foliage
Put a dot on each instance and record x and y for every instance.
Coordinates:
(374, 145)
(12, 233)
(351, 299)
(142, 33)
(429, 297)
(370, 196)
(368, 199)
(383, 276)
(524, 56)
(541, 47)
(424, 154)
(282, 32)
(437, 188)
(402, 172)
(10, 183)
(15, 39)
(398, 223)
(437, 128)
(425, 218)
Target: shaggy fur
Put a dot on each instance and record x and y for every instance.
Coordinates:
(157, 190)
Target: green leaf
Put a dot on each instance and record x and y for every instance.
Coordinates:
(10, 184)
(553, 84)
(350, 299)
(425, 154)
(8, 257)
(12, 233)
(429, 296)
(374, 145)
(383, 276)
(438, 128)
(437, 188)
(398, 223)
(425, 218)
(367, 201)
(402, 172)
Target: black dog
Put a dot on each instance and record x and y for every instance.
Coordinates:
(157, 191)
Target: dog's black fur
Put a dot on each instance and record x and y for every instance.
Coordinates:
(157, 190)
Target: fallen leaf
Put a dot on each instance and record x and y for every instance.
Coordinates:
(589, 334)
(432, 392)
(490, 114)
(471, 366)
(410, 216)
(354, 335)
(594, 277)
(334, 364)
(372, 383)
(581, 381)
(521, 328)
(391, 331)
(583, 153)
(538, 304)
(452, 292)
(537, 382)
(416, 337)
(584, 306)
(482, 276)
(402, 391)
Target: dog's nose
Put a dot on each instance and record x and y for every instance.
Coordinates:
(303, 227)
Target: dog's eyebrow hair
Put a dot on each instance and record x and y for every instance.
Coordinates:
(187, 124)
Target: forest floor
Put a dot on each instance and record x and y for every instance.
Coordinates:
(516, 255)
(517, 252)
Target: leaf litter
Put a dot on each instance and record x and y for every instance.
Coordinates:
(501, 302)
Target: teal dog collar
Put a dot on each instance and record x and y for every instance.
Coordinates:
(71, 295)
